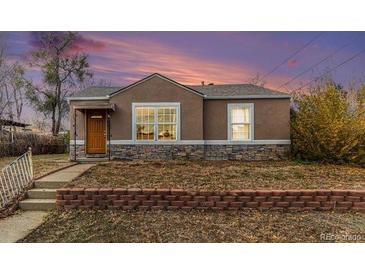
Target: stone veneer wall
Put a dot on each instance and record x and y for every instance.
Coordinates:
(194, 152)
(173, 199)
(159, 152)
(246, 152)
(80, 151)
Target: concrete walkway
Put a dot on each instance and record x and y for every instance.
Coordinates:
(16, 227)
(66, 175)
(39, 200)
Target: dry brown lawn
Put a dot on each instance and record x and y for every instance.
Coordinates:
(209, 226)
(42, 164)
(223, 175)
(199, 226)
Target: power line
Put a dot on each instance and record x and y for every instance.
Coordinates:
(320, 62)
(336, 67)
(292, 55)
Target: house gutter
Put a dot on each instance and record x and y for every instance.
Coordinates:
(206, 97)
(248, 97)
(87, 98)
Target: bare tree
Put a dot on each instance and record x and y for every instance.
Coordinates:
(94, 82)
(3, 76)
(13, 87)
(62, 70)
(256, 80)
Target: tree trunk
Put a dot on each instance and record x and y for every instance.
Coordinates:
(53, 121)
(58, 109)
(18, 99)
(59, 118)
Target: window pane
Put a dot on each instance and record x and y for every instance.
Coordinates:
(165, 124)
(167, 132)
(240, 115)
(167, 115)
(151, 115)
(145, 115)
(240, 132)
(145, 132)
(139, 115)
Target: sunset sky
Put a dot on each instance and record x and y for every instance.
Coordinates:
(218, 57)
(214, 57)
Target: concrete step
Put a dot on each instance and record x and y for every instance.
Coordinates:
(48, 184)
(38, 204)
(41, 193)
(91, 160)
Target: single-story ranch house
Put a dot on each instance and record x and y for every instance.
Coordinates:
(158, 118)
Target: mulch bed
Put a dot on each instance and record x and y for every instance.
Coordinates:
(198, 226)
(223, 175)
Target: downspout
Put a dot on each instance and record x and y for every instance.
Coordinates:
(108, 125)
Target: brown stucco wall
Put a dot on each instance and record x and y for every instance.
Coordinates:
(272, 119)
(200, 119)
(157, 90)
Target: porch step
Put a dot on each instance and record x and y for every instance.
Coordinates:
(38, 204)
(48, 184)
(41, 193)
(91, 160)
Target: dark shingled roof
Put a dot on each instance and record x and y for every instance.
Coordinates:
(209, 91)
(238, 90)
(96, 91)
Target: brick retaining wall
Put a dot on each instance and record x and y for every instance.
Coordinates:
(158, 199)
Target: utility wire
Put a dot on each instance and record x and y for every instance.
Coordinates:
(334, 68)
(292, 55)
(320, 62)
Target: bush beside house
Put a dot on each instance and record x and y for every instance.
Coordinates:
(328, 124)
(40, 143)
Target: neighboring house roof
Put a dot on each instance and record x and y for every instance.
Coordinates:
(229, 91)
(6, 122)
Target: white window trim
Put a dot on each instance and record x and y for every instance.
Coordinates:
(159, 104)
(252, 121)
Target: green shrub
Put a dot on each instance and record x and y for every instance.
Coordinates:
(328, 124)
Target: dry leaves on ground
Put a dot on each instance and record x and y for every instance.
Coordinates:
(223, 175)
(197, 226)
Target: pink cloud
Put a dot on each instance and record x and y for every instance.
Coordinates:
(83, 44)
(139, 57)
(292, 62)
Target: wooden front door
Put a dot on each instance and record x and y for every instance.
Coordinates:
(96, 131)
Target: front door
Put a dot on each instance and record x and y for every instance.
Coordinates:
(96, 131)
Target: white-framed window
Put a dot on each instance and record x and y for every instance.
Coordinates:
(240, 122)
(156, 122)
